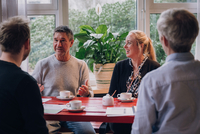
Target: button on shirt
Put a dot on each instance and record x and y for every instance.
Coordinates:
(169, 98)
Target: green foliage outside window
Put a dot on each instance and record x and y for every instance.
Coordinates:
(160, 54)
(119, 17)
(41, 38)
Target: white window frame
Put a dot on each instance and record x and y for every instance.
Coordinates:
(152, 7)
(44, 9)
(141, 15)
(59, 8)
(52, 6)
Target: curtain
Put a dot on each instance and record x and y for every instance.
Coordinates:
(22, 11)
(197, 49)
(11, 8)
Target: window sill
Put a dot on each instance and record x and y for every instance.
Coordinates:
(99, 91)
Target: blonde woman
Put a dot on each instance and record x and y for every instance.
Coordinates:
(128, 73)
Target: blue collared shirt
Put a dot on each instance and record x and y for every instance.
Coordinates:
(169, 98)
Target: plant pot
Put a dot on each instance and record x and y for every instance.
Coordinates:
(103, 76)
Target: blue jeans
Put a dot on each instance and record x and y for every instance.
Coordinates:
(79, 127)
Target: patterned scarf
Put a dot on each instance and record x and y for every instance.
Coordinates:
(134, 80)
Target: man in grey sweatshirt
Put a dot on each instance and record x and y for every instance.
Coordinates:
(61, 71)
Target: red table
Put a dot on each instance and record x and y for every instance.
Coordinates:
(94, 111)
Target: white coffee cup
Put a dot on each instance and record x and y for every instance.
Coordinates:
(64, 94)
(75, 104)
(124, 96)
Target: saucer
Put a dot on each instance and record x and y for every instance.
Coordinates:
(127, 100)
(63, 98)
(76, 110)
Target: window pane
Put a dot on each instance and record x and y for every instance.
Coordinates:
(119, 15)
(42, 27)
(160, 54)
(174, 1)
(38, 1)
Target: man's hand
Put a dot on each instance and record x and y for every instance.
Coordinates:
(83, 90)
(41, 87)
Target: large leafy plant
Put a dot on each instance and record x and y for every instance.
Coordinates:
(99, 46)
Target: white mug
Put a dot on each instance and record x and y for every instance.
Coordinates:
(125, 96)
(64, 94)
(75, 104)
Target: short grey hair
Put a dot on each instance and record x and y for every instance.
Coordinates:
(180, 28)
(14, 32)
(64, 29)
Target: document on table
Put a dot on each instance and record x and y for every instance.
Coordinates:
(95, 109)
(120, 111)
(45, 99)
(53, 109)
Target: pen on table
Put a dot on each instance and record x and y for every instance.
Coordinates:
(114, 92)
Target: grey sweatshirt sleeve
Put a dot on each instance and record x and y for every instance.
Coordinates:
(37, 73)
(85, 75)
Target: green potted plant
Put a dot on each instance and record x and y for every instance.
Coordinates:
(101, 49)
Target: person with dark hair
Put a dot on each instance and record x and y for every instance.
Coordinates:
(169, 97)
(60, 72)
(20, 100)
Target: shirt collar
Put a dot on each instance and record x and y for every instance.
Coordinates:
(180, 57)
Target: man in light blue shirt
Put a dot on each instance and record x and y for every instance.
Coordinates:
(169, 97)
